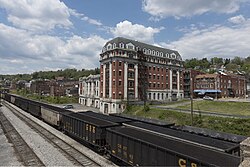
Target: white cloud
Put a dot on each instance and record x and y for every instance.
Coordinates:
(37, 15)
(85, 18)
(237, 19)
(220, 41)
(135, 31)
(186, 8)
(19, 48)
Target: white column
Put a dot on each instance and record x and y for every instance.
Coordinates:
(85, 91)
(88, 88)
(103, 80)
(97, 89)
(170, 79)
(110, 80)
(136, 81)
(170, 82)
(92, 88)
(125, 80)
(178, 83)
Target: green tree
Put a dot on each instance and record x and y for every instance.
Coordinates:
(238, 60)
(217, 61)
(232, 67)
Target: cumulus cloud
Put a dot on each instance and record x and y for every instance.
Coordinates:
(37, 15)
(39, 52)
(41, 15)
(186, 8)
(220, 41)
(135, 31)
(237, 19)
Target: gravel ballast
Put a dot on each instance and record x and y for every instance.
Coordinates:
(46, 152)
(7, 153)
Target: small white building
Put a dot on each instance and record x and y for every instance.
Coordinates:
(89, 93)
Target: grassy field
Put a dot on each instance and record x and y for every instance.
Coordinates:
(237, 108)
(229, 125)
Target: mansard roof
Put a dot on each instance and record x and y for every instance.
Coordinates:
(141, 46)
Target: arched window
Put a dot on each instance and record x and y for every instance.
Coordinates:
(153, 52)
(173, 55)
(157, 53)
(114, 45)
(121, 45)
(144, 50)
(161, 54)
(149, 51)
(109, 46)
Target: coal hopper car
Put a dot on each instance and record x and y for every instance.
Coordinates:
(138, 147)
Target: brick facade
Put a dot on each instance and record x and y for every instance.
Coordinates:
(132, 71)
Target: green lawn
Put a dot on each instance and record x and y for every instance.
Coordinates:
(229, 125)
(237, 108)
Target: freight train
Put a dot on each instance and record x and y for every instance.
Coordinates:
(139, 141)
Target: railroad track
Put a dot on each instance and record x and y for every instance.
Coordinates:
(72, 154)
(24, 152)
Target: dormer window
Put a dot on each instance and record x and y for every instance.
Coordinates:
(121, 45)
(109, 47)
(173, 56)
(114, 45)
(153, 52)
(149, 51)
(130, 46)
(167, 55)
(161, 54)
(144, 50)
(157, 53)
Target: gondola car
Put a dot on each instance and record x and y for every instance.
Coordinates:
(34, 108)
(53, 115)
(210, 133)
(141, 148)
(87, 129)
(117, 120)
(206, 142)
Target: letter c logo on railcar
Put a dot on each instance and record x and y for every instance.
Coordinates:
(183, 163)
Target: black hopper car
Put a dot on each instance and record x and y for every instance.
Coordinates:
(138, 141)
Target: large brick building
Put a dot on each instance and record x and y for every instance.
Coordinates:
(220, 85)
(135, 71)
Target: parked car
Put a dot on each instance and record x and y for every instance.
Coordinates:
(68, 106)
(208, 98)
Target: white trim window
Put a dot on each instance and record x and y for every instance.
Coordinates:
(121, 45)
(130, 46)
(109, 46)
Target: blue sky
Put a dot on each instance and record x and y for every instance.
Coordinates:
(57, 34)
